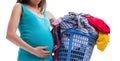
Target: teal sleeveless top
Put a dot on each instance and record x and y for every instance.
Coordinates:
(35, 31)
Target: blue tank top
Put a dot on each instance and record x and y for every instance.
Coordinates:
(35, 31)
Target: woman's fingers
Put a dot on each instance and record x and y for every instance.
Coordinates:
(41, 51)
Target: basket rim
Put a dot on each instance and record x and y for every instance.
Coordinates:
(74, 31)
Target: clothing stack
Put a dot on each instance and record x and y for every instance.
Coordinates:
(94, 29)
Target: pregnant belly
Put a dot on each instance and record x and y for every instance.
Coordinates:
(39, 40)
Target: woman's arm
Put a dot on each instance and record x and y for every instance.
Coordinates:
(15, 39)
(12, 27)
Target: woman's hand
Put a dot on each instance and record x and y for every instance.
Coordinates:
(41, 52)
(51, 17)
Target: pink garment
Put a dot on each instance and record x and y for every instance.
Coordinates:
(55, 32)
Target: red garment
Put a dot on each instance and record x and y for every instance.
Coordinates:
(98, 24)
(55, 32)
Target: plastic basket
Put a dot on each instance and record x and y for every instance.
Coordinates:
(76, 46)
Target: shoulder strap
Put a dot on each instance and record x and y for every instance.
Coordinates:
(23, 8)
(45, 13)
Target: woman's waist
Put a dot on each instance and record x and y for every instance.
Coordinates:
(36, 35)
(38, 41)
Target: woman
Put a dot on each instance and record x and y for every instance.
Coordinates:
(32, 20)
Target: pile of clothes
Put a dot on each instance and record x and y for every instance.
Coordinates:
(82, 22)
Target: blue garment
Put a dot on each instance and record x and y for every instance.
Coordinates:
(35, 31)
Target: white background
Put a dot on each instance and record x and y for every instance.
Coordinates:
(108, 10)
